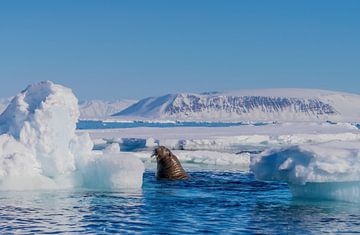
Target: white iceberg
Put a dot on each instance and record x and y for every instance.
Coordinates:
(321, 171)
(39, 148)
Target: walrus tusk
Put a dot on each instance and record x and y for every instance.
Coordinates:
(153, 154)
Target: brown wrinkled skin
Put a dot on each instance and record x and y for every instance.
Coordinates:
(168, 165)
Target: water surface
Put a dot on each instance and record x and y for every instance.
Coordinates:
(212, 201)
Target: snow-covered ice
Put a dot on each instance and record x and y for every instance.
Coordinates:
(39, 148)
(317, 159)
(328, 170)
(203, 157)
(247, 137)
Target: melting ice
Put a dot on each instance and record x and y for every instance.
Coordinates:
(39, 148)
(320, 171)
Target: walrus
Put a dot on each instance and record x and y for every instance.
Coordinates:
(168, 165)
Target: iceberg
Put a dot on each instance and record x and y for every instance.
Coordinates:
(318, 171)
(39, 148)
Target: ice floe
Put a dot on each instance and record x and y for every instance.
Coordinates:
(39, 148)
(328, 170)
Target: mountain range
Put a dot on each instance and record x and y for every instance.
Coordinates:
(245, 105)
(249, 105)
(92, 109)
(97, 109)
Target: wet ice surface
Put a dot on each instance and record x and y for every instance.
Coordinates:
(212, 201)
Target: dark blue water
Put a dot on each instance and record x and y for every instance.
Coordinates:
(211, 202)
(86, 125)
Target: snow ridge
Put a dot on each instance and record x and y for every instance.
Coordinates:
(101, 109)
(91, 109)
(256, 105)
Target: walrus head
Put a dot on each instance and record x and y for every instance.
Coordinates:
(168, 165)
(161, 152)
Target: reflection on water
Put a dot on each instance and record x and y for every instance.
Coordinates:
(218, 202)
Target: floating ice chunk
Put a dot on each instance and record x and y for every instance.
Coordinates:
(327, 162)
(328, 170)
(39, 148)
(151, 142)
(213, 158)
(112, 148)
(114, 171)
(342, 191)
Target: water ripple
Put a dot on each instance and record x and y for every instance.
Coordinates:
(211, 202)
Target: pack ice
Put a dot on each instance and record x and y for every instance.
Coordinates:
(39, 148)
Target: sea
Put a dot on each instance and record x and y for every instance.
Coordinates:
(213, 201)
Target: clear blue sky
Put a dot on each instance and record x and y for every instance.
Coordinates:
(131, 49)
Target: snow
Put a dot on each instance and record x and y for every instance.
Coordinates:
(328, 170)
(112, 148)
(201, 157)
(39, 148)
(214, 158)
(317, 160)
(249, 105)
(4, 102)
(287, 92)
(247, 137)
(149, 106)
(98, 109)
(90, 109)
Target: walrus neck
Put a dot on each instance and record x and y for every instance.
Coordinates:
(170, 168)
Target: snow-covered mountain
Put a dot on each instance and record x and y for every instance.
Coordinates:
(101, 109)
(4, 103)
(93, 109)
(249, 105)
